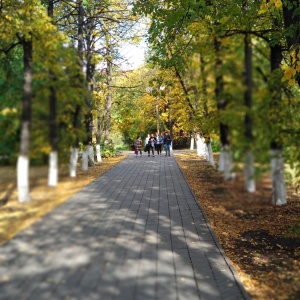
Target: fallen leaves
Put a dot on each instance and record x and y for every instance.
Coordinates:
(260, 239)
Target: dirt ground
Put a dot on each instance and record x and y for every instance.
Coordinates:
(260, 239)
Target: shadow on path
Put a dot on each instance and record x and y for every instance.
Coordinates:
(136, 232)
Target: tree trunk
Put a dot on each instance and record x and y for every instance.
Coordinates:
(76, 124)
(90, 71)
(277, 176)
(98, 152)
(23, 159)
(291, 19)
(249, 172)
(200, 145)
(277, 162)
(109, 95)
(192, 146)
(53, 169)
(249, 158)
(170, 121)
(53, 156)
(209, 153)
(225, 161)
(53, 138)
(75, 149)
(73, 162)
(98, 140)
(85, 160)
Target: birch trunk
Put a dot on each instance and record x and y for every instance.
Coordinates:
(277, 175)
(53, 169)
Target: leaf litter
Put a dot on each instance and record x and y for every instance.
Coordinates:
(260, 239)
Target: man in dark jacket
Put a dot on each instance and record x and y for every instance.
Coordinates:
(167, 143)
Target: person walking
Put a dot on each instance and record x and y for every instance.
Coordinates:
(151, 144)
(146, 142)
(159, 142)
(138, 146)
(167, 143)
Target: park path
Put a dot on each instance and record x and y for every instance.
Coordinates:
(135, 233)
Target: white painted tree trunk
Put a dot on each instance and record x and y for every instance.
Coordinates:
(210, 155)
(73, 162)
(192, 143)
(53, 169)
(23, 178)
(226, 164)
(91, 155)
(277, 175)
(85, 160)
(98, 153)
(221, 163)
(200, 146)
(249, 170)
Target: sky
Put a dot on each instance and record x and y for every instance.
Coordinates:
(134, 54)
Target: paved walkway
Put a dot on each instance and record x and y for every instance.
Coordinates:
(135, 233)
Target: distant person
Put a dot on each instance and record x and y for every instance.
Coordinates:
(159, 143)
(138, 146)
(151, 144)
(146, 142)
(167, 142)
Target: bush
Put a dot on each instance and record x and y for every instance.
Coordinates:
(108, 149)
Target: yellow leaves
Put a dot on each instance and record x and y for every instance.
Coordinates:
(8, 111)
(270, 5)
(263, 9)
(291, 70)
(8, 17)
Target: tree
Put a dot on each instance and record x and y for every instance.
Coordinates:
(22, 30)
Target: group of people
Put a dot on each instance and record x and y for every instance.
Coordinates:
(154, 143)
